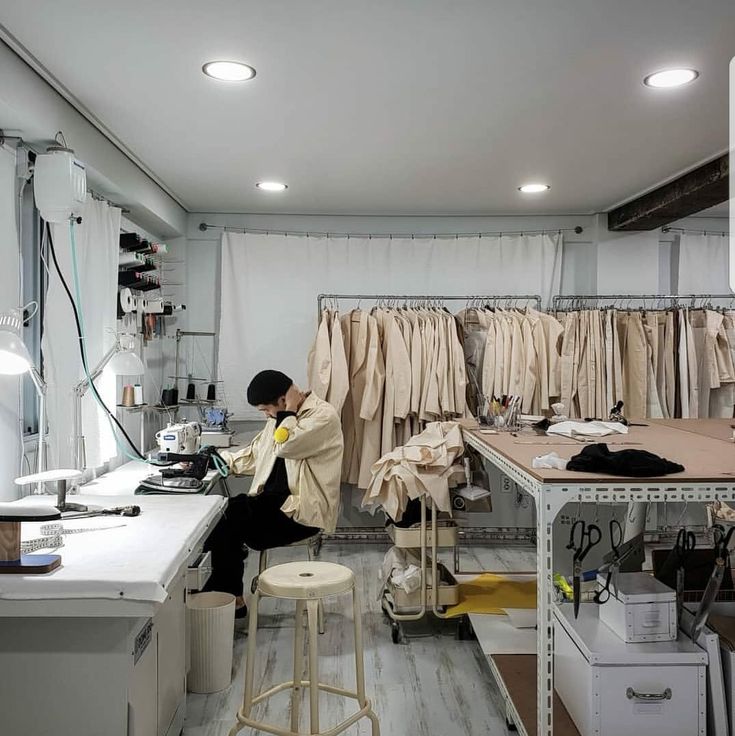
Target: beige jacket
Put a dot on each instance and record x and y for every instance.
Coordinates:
(313, 458)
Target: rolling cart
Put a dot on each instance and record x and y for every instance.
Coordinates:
(439, 588)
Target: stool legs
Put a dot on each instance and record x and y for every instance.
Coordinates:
(250, 664)
(313, 615)
(298, 665)
(359, 662)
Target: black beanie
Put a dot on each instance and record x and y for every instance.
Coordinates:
(267, 387)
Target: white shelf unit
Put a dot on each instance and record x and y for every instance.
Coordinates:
(549, 499)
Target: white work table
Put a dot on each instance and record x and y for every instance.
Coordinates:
(97, 647)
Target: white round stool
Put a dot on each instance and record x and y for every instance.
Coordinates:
(307, 583)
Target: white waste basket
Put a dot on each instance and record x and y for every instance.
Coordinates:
(211, 621)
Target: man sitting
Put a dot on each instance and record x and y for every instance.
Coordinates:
(296, 462)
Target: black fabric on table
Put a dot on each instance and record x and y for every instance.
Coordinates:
(598, 458)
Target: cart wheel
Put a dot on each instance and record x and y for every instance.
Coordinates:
(395, 632)
(254, 584)
(510, 725)
(465, 632)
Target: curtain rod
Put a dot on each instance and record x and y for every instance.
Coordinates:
(203, 227)
(693, 231)
(581, 298)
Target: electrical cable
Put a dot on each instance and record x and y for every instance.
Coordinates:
(82, 352)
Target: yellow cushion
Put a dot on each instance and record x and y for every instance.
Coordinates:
(280, 435)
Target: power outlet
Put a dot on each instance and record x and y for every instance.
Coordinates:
(505, 485)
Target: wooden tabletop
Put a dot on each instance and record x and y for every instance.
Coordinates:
(717, 429)
(706, 458)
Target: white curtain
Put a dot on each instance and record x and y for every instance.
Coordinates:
(10, 421)
(97, 247)
(703, 264)
(270, 283)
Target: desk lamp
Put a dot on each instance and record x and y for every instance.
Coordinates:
(61, 477)
(12, 561)
(121, 360)
(16, 360)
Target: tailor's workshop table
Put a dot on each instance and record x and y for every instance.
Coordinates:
(703, 449)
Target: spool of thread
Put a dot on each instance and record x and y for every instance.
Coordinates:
(170, 397)
(210, 392)
(138, 393)
(142, 304)
(191, 392)
(128, 397)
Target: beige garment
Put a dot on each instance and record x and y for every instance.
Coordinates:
(671, 350)
(501, 335)
(459, 369)
(352, 422)
(597, 367)
(339, 380)
(553, 333)
(635, 367)
(722, 400)
(608, 337)
(517, 355)
(617, 358)
(507, 327)
(429, 409)
(319, 360)
(649, 320)
(371, 408)
(422, 467)
(313, 458)
(488, 359)
(683, 358)
(584, 408)
(397, 394)
(530, 384)
(442, 368)
(539, 329)
(417, 373)
(568, 367)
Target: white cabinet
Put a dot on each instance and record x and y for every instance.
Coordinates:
(611, 688)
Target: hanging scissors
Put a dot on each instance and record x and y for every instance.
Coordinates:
(582, 538)
(685, 544)
(616, 539)
(722, 557)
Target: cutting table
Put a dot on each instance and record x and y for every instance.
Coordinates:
(703, 447)
(98, 647)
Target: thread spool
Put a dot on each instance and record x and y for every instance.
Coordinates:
(191, 393)
(170, 397)
(128, 397)
(138, 394)
(211, 392)
(458, 503)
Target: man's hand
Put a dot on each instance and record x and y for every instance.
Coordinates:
(294, 398)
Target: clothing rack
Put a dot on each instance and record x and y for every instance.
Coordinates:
(578, 301)
(493, 299)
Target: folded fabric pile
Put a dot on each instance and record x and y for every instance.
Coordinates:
(631, 463)
(421, 467)
(587, 429)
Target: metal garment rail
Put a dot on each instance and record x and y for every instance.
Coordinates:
(492, 299)
(580, 301)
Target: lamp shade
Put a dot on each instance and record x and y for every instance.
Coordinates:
(126, 363)
(14, 356)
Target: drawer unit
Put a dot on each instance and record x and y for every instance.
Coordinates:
(642, 609)
(199, 571)
(612, 688)
(410, 537)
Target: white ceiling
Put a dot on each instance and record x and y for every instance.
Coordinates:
(385, 107)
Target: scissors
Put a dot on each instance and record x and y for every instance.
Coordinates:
(613, 567)
(685, 544)
(722, 556)
(582, 538)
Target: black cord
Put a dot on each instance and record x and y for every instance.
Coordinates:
(81, 344)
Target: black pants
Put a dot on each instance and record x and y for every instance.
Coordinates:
(253, 521)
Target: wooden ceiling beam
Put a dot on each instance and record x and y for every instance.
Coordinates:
(692, 192)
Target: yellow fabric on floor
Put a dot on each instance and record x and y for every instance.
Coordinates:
(492, 593)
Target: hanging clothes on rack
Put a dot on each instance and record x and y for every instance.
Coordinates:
(675, 362)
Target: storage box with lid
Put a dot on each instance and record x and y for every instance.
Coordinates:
(641, 609)
(612, 688)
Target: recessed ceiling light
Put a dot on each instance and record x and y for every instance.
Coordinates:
(228, 71)
(671, 77)
(533, 188)
(271, 186)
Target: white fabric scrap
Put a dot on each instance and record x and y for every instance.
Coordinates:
(552, 460)
(587, 429)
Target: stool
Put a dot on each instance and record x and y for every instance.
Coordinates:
(313, 546)
(307, 583)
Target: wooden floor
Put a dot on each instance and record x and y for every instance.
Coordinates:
(432, 685)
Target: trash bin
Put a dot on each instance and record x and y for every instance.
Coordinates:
(211, 622)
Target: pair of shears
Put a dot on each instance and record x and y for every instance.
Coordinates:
(722, 558)
(685, 544)
(582, 538)
(619, 555)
